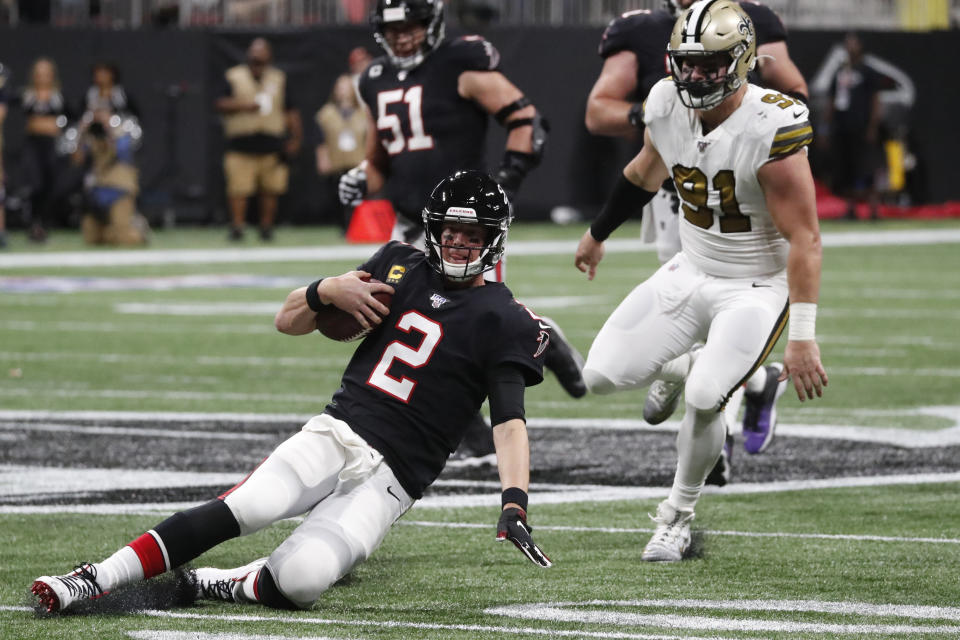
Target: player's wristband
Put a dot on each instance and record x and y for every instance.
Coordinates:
(515, 495)
(635, 115)
(803, 321)
(625, 200)
(313, 298)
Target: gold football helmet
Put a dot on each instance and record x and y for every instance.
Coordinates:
(718, 38)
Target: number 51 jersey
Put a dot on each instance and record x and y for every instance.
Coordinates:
(416, 381)
(725, 228)
(426, 128)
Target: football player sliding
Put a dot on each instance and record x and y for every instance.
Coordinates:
(750, 257)
(449, 341)
(633, 51)
(430, 100)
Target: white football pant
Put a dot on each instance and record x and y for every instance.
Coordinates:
(739, 321)
(351, 494)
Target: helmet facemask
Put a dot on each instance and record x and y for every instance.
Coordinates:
(490, 253)
(709, 92)
(428, 13)
(466, 198)
(719, 37)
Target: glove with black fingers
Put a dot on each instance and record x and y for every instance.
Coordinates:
(513, 169)
(353, 186)
(513, 527)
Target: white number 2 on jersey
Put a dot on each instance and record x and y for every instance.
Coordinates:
(416, 358)
(418, 139)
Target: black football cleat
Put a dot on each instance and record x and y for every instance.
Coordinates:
(565, 362)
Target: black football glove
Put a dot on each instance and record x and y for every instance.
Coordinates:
(513, 527)
(353, 186)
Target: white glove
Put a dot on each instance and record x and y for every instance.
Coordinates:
(353, 186)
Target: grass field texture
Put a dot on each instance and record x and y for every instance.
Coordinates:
(878, 557)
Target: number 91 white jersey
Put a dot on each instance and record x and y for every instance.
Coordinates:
(725, 228)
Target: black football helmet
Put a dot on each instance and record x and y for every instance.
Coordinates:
(467, 197)
(427, 12)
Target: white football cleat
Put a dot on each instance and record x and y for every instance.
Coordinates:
(224, 584)
(57, 593)
(671, 538)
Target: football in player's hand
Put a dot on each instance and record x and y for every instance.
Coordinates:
(337, 324)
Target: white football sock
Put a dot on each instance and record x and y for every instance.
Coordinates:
(757, 381)
(699, 442)
(123, 567)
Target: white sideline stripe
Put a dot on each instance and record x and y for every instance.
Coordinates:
(136, 432)
(923, 612)
(24, 480)
(563, 612)
(270, 308)
(393, 624)
(55, 356)
(198, 308)
(339, 253)
(546, 494)
(161, 395)
(712, 532)
(134, 326)
(200, 635)
(907, 438)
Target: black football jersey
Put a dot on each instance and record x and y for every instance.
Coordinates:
(426, 128)
(415, 382)
(646, 33)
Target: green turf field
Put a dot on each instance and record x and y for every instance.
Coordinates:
(865, 561)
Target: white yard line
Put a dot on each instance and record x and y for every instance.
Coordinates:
(908, 438)
(340, 252)
(21, 480)
(204, 360)
(617, 614)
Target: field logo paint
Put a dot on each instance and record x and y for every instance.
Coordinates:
(619, 614)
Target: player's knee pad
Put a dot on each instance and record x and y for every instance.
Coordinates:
(598, 383)
(312, 562)
(702, 393)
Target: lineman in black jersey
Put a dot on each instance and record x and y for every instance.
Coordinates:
(633, 48)
(448, 341)
(430, 101)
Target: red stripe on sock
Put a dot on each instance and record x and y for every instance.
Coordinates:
(150, 555)
(256, 586)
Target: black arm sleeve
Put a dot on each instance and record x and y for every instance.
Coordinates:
(625, 200)
(506, 386)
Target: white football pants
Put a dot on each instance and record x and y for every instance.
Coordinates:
(351, 495)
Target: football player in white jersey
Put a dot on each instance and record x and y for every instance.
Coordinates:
(632, 65)
(751, 248)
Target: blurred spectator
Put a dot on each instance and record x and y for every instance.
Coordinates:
(46, 114)
(341, 134)
(4, 77)
(853, 119)
(106, 92)
(107, 146)
(357, 62)
(263, 130)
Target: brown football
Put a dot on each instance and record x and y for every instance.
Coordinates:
(337, 324)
